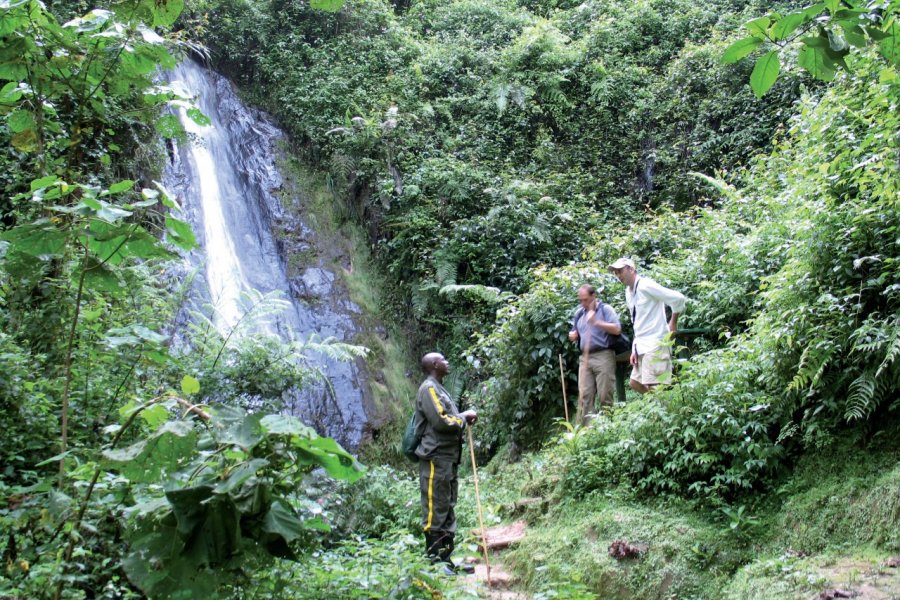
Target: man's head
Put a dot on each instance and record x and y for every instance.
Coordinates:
(435, 364)
(624, 270)
(586, 296)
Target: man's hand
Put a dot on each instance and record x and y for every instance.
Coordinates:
(573, 335)
(633, 359)
(673, 323)
(469, 415)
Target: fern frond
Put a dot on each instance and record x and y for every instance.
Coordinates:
(801, 377)
(331, 348)
(486, 293)
(813, 363)
(501, 93)
(445, 267)
(341, 165)
(893, 352)
(719, 185)
(860, 402)
(540, 229)
(455, 383)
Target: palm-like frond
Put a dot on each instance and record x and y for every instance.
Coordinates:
(488, 294)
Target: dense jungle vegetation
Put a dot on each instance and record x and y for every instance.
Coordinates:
(487, 157)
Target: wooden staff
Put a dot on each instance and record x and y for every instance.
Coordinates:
(585, 356)
(478, 503)
(562, 381)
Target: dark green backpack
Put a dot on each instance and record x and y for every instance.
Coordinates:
(410, 440)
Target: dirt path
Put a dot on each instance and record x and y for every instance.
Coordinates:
(498, 539)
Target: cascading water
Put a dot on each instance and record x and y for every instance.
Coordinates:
(227, 180)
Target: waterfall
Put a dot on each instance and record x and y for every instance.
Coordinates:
(227, 181)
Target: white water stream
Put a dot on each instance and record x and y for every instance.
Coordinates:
(227, 179)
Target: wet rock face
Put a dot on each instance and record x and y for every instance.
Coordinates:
(231, 189)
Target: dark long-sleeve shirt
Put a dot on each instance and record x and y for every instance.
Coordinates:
(439, 422)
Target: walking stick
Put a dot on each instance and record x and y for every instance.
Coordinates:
(478, 503)
(562, 381)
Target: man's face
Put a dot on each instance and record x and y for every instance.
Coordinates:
(625, 275)
(585, 299)
(441, 365)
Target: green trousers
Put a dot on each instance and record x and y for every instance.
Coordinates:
(438, 486)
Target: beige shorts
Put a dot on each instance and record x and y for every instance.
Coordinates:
(654, 367)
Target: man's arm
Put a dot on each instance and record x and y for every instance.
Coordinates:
(436, 411)
(609, 324)
(573, 332)
(675, 300)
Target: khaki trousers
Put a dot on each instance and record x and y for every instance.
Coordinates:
(596, 376)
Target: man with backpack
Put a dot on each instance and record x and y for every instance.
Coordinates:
(439, 426)
(594, 325)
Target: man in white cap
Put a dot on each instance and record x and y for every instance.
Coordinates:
(651, 358)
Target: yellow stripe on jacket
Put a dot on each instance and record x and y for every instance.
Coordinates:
(439, 406)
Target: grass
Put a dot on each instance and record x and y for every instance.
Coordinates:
(831, 523)
(848, 496)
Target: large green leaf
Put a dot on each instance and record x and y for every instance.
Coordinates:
(40, 239)
(889, 46)
(180, 233)
(740, 49)
(187, 506)
(115, 242)
(168, 449)
(101, 278)
(765, 72)
(122, 186)
(758, 27)
(282, 521)
(165, 12)
(168, 126)
(208, 522)
(286, 425)
(20, 120)
(155, 565)
(234, 426)
(251, 498)
(190, 385)
(786, 25)
(133, 335)
(816, 61)
(239, 475)
(155, 416)
(328, 454)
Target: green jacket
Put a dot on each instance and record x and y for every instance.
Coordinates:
(438, 422)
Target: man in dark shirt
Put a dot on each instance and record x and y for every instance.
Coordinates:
(592, 325)
(441, 427)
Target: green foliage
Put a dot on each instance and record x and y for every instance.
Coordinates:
(84, 302)
(465, 135)
(797, 278)
(364, 568)
(211, 498)
(826, 33)
(385, 502)
(845, 494)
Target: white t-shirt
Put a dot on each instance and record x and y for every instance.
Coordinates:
(648, 313)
